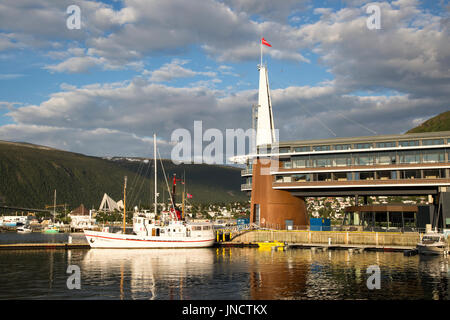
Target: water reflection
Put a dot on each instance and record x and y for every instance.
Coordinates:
(222, 273)
(144, 274)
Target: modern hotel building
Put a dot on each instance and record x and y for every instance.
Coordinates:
(280, 178)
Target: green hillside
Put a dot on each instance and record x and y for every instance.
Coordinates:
(29, 175)
(441, 122)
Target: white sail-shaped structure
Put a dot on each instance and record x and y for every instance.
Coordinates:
(108, 204)
(265, 133)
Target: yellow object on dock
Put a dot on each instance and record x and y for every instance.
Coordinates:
(268, 245)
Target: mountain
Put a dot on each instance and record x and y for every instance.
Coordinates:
(441, 122)
(29, 174)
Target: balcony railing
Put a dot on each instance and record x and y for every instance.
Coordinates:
(246, 187)
(247, 172)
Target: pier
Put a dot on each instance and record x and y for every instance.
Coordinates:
(66, 246)
(354, 241)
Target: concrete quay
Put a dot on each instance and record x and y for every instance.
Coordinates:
(33, 246)
(358, 240)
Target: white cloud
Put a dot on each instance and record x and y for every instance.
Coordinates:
(173, 70)
(75, 65)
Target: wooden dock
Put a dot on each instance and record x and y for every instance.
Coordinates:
(33, 246)
(324, 247)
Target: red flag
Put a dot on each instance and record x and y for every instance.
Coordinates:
(189, 196)
(263, 41)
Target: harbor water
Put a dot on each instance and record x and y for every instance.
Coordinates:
(220, 273)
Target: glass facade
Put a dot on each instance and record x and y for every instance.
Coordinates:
(368, 145)
(433, 156)
(363, 145)
(410, 143)
(409, 157)
(390, 144)
(321, 148)
(302, 149)
(370, 164)
(364, 175)
(342, 147)
(367, 158)
(430, 142)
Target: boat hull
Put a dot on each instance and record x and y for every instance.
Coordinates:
(116, 240)
(430, 250)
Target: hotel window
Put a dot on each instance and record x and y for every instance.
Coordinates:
(431, 142)
(364, 159)
(343, 160)
(409, 157)
(386, 158)
(365, 175)
(410, 174)
(363, 145)
(281, 179)
(390, 144)
(302, 149)
(430, 156)
(286, 164)
(300, 162)
(384, 175)
(434, 174)
(301, 177)
(321, 148)
(410, 143)
(322, 176)
(342, 176)
(320, 161)
(342, 147)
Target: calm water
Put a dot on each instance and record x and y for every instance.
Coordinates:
(224, 273)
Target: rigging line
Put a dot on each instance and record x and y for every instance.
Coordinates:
(323, 124)
(139, 190)
(136, 178)
(167, 184)
(356, 122)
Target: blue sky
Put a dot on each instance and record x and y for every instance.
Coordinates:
(137, 67)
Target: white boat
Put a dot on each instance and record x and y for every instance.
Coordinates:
(433, 243)
(150, 234)
(24, 229)
(170, 231)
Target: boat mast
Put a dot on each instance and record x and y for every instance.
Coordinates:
(156, 194)
(184, 195)
(124, 203)
(54, 206)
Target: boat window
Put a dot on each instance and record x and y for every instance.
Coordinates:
(196, 228)
(206, 227)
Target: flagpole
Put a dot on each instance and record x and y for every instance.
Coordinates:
(260, 44)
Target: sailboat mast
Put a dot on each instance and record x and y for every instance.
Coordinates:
(124, 203)
(156, 194)
(54, 206)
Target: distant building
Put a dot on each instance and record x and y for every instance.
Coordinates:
(81, 218)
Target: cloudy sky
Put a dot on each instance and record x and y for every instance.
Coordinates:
(138, 67)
